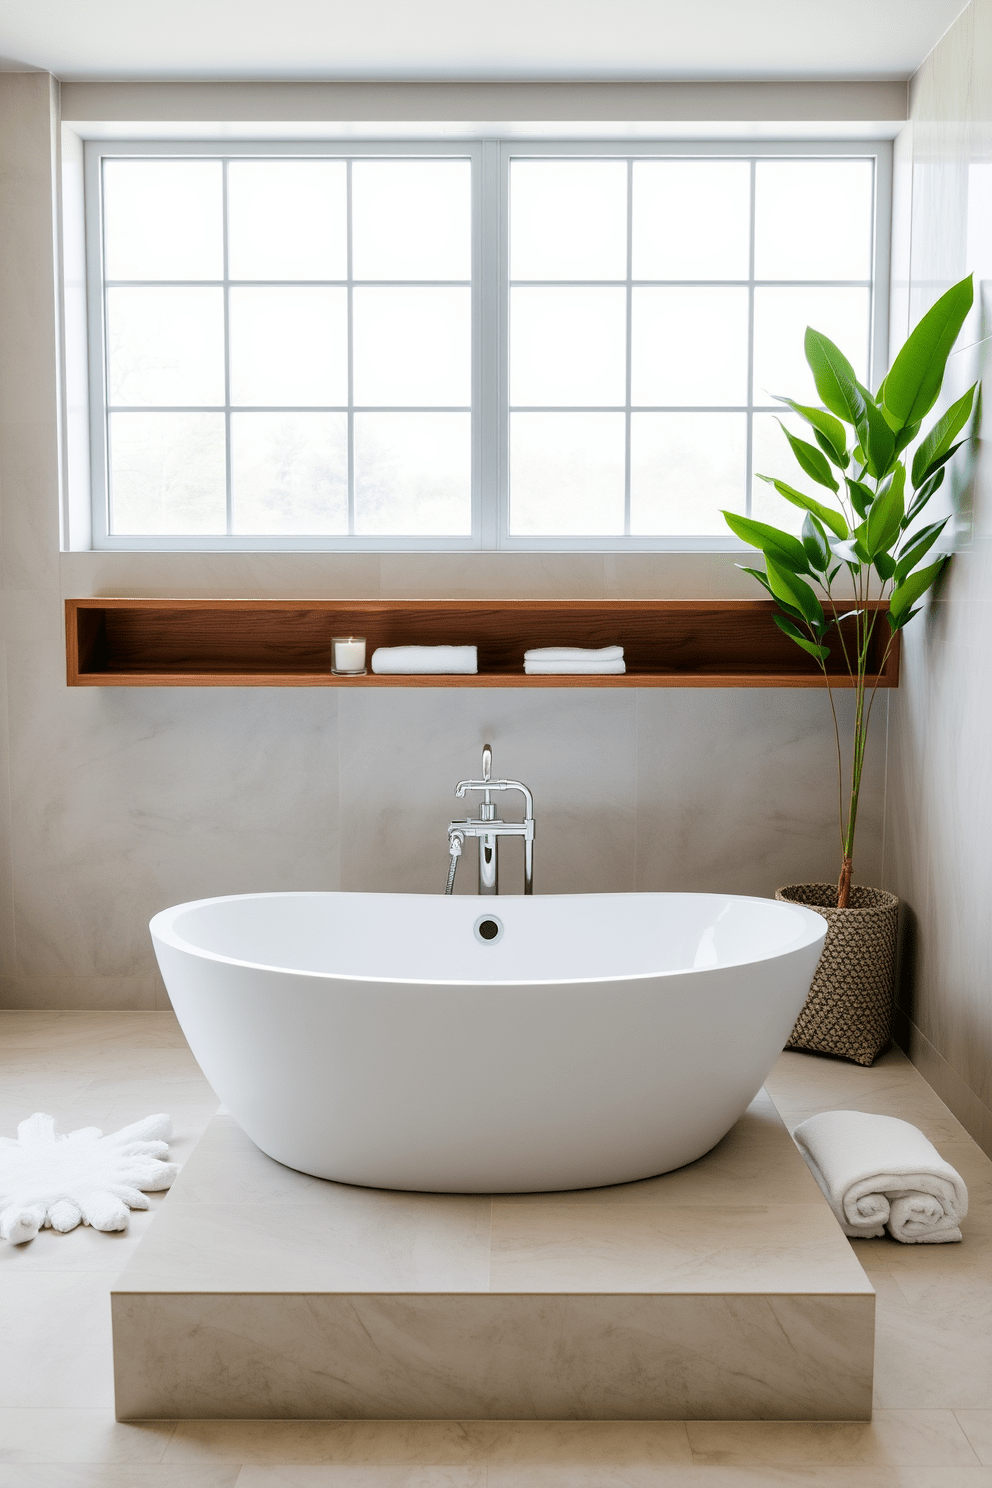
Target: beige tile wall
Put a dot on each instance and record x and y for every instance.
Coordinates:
(115, 803)
(940, 780)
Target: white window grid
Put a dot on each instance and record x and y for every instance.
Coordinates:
(490, 284)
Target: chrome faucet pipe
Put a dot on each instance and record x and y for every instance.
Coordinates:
(494, 785)
(488, 828)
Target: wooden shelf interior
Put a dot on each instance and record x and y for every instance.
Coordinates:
(190, 642)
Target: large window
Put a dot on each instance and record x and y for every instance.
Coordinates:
(460, 346)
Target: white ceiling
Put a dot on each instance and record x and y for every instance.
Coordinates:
(469, 39)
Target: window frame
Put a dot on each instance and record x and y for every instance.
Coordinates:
(490, 161)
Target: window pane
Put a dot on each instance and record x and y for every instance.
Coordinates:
(689, 346)
(413, 473)
(287, 219)
(167, 473)
(163, 219)
(568, 346)
(289, 472)
(579, 346)
(780, 320)
(684, 469)
(567, 474)
(691, 219)
(411, 219)
(165, 346)
(289, 346)
(568, 219)
(812, 219)
(413, 346)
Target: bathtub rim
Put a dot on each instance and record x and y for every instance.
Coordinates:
(162, 928)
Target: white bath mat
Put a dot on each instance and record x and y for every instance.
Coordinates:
(48, 1180)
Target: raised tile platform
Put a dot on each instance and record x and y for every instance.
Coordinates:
(723, 1290)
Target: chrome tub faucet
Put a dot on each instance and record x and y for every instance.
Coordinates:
(489, 828)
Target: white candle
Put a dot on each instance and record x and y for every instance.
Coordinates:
(349, 653)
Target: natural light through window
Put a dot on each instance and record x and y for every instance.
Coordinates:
(342, 349)
(288, 346)
(655, 307)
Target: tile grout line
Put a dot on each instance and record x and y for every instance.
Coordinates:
(955, 1412)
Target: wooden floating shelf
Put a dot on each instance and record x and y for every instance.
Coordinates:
(287, 642)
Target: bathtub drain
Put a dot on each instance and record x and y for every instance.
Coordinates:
(488, 929)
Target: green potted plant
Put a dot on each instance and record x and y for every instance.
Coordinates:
(869, 526)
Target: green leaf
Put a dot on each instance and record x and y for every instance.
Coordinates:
(841, 462)
(923, 495)
(763, 581)
(944, 458)
(921, 544)
(795, 592)
(829, 431)
(815, 543)
(877, 439)
(885, 566)
(886, 514)
(909, 591)
(812, 460)
(914, 379)
(788, 627)
(826, 514)
(861, 496)
(787, 550)
(936, 446)
(820, 652)
(834, 377)
(755, 574)
(906, 435)
(896, 477)
(850, 552)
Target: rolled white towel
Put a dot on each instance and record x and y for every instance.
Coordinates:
(574, 668)
(574, 653)
(394, 660)
(878, 1173)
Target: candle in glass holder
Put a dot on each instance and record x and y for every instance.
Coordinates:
(348, 656)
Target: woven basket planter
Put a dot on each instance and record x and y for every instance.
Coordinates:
(849, 1008)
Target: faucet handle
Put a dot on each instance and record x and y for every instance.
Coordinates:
(487, 761)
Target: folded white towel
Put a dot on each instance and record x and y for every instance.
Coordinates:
(394, 660)
(573, 668)
(574, 653)
(877, 1172)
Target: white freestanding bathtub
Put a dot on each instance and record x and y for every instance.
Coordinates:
(384, 1040)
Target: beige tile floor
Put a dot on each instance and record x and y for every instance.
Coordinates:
(933, 1386)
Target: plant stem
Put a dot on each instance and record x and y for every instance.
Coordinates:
(840, 758)
(844, 884)
(864, 623)
(833, 713)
